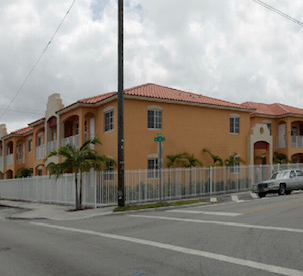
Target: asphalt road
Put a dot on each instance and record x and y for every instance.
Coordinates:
(252, 237)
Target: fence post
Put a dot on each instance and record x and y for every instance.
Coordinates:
(210, 181)
(95, 189)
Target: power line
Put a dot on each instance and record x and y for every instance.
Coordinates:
(22, 110)
(278, 12)
(36, 63)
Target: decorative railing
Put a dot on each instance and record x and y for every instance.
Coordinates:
(51, 146)
(71, 140)
(40, 152)
(296, 141)
(9, 159)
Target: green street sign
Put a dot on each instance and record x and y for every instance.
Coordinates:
(159, 138)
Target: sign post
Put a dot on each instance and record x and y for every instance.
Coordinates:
(160, 139)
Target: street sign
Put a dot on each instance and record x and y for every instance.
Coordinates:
(159, 139)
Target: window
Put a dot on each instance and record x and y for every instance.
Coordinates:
(236, 164)
(109, 120)
(154, 117)
(109, 173)
(234, 124)
(40, 140)
(153, 168)
(54, 136)
(269, 127)
(77, 128)
(30, 145)
(39, 172)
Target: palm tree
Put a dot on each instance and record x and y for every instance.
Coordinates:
(173, 159)
(233, 159)
(280, 158)
(215, 158)
(189, 161)
(79, 160)
(24, 172)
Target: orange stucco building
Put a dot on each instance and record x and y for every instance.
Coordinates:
(189, 122)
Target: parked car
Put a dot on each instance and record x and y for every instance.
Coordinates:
(281, 182)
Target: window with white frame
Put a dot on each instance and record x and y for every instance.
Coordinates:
(154, 117)
(40, 140)
(268, 123)
(234, 123)
(153, 168)
(30, 145)
(109, 173)
(236, 164)
(109, 120)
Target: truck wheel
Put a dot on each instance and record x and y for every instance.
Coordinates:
(282, 189)
(261, 195)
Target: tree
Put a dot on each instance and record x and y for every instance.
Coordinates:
(189, 160)
(215, 158)
(280, 158)
(24, 172)
(79, 160)
(173, 159)
(233, 159)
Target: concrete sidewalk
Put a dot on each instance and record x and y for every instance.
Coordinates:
(32, 211)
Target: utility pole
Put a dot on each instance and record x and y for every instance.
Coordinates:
(121, 198)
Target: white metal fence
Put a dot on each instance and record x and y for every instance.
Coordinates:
(100, 188)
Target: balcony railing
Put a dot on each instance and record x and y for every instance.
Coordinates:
(281, 142)
(9, 159)
(40, 152)
(71, 140)
(51, 146)
(1, 161)
(296, 141)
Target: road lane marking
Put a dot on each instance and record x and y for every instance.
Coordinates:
(254, 195)
(224, 223)
(184, 250)
(235, 198)
(205, 213)
(272, 207)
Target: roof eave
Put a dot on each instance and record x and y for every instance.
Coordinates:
(144, 98)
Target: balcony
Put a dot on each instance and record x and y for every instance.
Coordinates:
(296, 141)
(71, 140)
(1, 162)
(9, 159)
(51, 146)
(40, 152)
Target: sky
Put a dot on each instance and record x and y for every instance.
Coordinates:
(234, 50)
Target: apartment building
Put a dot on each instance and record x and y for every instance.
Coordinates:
(189, 122)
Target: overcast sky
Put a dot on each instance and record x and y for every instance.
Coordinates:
(234, 50)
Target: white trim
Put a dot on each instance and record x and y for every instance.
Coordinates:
(109, 108)
(154, 107)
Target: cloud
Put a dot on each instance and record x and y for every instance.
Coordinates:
(232, 50)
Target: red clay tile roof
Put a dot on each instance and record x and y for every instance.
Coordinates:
(21, 131)
(96, 99)
(275, 109)
(151, 90)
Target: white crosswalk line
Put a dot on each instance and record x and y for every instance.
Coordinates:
(205, 213)
(236, 199)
